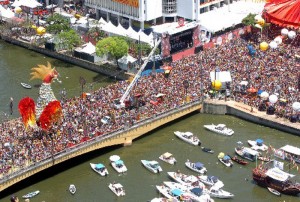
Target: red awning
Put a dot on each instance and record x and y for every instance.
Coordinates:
(285, 13)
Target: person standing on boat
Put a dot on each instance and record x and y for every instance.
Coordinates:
(11, 105)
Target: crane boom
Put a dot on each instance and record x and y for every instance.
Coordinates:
(138, 74)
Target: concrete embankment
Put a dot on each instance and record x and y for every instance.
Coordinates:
(102, 69)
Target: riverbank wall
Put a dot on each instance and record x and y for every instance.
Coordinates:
(114, 73)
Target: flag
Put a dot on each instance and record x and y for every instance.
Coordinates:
(278, 164)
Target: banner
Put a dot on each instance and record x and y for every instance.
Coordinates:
(133, 3)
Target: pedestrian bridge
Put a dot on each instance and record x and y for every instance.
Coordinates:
(123, 136)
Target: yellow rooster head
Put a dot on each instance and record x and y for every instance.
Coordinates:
(45, 73)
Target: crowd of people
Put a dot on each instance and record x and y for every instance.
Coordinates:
(273, 71)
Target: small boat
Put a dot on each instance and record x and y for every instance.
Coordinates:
(168, 158)
(72, 189)
(247, 153)
(225, 159)
(183, 178)
(239, 161)
(274, 191)
(208, 150)
(117, 188)
(174, 194)
(31, 194)
(220, 129)
(99, 168)
(211, 180)
(118, 164)
(197, 167)
(258, 145)
(188, 137)
(217, 192)
(25, 85)
(153, 166)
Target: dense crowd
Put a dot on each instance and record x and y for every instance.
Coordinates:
(273, 71)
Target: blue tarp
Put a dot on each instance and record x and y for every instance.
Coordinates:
(177, 192)
(119, 162)
(259, 142)
(199, 165)
(259, 92)
(149, 71)
(99, 166)
(197, 191)
(226, 157)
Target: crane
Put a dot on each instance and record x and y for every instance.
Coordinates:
(138, 74)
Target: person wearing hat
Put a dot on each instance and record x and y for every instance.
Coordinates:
(14, 198)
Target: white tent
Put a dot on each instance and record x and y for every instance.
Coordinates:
(110, 28)
(132, 34)
(126, 61)
(143, 37)
(6, 13)
(102, 21)
(121, 30)
(88, 48)
(26, 3)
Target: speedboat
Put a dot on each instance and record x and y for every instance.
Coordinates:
(188, 137)
(72, 189)
(153, 166)
(220, 129)
(99, 168)
(31, 194)
(211, 180)
(168, 158)
(117, 188)
(25, 85)
(162, 199)
(225, 159)
(217, 192)
(182, 178)
(238, 160)
(247, 153)
(197, 167)
(208, 150)
(274, 191)
(174, 194)
(118, 164)
(258, 145)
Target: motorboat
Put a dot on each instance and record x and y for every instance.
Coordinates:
(174, 194)
(25, 85)
(225, 159)
(165, 191)
(162, 199)
(153, 166)
(188, 137)
(72, 189)
(238, 160)
(258, 144)
(197, 167)
(220, 129)
(211, 180)
(200, 195)
(99, 168)
(168, 158)
(118, 164)
(208, 150)
(182, 178)
(117, 188)
(217, 192)
(31, 194)
(288, 152)
(247, 153)
(274, 191)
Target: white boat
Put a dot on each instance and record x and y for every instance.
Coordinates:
(211, 180)
(117, 188)
(118, 164)
(247, 153)
(153, 166)
(31, 194)
(197, 167)
(174, 194)
(99, 168)
(225, 159)
(162, 199)
(188, 137)
(182, 178)
(258, 145)
(72, 189)
(288, 151)
(273, 191)
(166, 192)
(25, 85)
(217, 192)
(168, 158)
(220, 129)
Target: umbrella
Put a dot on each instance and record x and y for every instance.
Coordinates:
(264, 94)
(259, 92)
(252, 90)
(221, 155)
(114, 158)
(199, 165)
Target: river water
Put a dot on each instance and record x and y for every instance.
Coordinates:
(138, 182)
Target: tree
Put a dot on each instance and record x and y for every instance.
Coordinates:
(116, 46)
(69, 39)
(249, 19)
(57, 23)
(96, 33)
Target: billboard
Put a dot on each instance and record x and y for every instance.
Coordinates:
(133, 3)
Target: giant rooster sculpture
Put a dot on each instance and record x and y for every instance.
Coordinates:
(47, 111)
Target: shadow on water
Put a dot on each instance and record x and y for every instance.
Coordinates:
(56, 169)
(60, 63)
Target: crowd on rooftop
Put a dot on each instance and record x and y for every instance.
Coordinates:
(273, 71)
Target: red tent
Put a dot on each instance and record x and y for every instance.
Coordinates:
(285, 13)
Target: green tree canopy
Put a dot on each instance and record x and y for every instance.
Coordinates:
(69, 39)
(57, 23)
(116, 46)
(249, 19)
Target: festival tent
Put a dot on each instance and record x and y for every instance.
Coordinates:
(284, 13)
(121, 30)
(126, 62)
(6, 13)
(102, 21)
(26, 3)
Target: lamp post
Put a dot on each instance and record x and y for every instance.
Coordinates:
(82, 82)
(216, 70)
(153, 67)
(185, 85)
